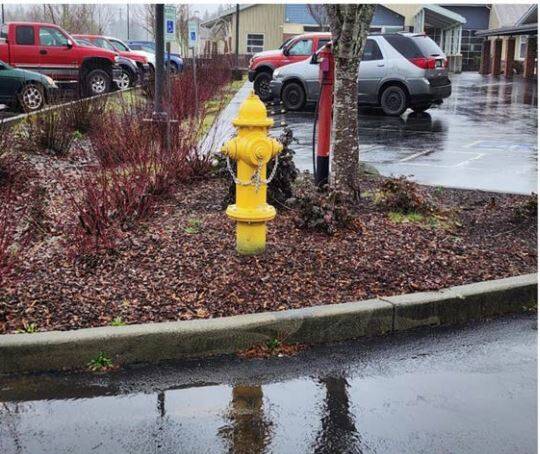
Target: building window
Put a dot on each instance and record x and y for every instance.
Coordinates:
(522, 46)
(255, 43)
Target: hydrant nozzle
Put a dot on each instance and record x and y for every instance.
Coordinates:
(252, 149)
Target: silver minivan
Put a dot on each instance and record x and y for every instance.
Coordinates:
(397, 71)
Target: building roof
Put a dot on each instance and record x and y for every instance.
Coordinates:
(225, 13)
(443, 15)
(530, 16)
(526, 29)
(509, 14)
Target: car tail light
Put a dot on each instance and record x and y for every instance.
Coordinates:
(423, 62)
(445, 63)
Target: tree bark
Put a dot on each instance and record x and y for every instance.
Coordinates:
(349, 25)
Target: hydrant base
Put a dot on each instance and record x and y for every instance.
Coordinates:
(250, 238)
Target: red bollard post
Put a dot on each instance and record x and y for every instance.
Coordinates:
(324, 122)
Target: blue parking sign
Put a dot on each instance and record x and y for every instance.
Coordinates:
(170, 26)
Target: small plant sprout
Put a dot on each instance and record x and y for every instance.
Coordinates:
(100, 363)
(274, 343)
(117, 321)
(78, 135)
(194, 226)
(28, 328)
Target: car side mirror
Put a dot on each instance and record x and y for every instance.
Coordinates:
(314, 60)
(286, 51)
(69, 44)
(2, 66)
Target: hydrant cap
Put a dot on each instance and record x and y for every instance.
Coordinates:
(252, 112)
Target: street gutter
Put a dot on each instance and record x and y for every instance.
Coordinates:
(153, 342)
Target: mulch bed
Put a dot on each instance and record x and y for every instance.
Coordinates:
(165, 269)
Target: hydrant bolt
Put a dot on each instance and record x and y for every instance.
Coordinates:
(252, 149)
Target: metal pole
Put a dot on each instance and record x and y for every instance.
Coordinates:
(168, 130)
(160, 58)
(237, 43)
(195, 80)
(128, 21)
(3, 17)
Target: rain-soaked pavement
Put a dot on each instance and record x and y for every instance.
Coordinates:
(483, 137)
(459, 390)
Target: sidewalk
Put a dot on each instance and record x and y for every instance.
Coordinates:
(223, 129)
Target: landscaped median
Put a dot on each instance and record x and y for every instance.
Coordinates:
(311, 325)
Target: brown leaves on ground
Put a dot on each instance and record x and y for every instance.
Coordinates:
(164, 269)
(267, 351)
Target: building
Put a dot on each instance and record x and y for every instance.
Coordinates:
(510, 44)
(477, 17)
(267, 26)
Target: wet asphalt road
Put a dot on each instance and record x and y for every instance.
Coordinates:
(466, 390)
(483, 137)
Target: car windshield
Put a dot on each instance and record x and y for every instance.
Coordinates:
(119, 46)
(285, 43)
(427, 46)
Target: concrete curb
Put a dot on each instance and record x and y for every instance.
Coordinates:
(153, 342)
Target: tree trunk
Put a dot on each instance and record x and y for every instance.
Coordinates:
(349, 25)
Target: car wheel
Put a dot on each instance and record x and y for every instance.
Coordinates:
(293, 96)
(394, 100)
(173, 67)
(420, 108)
(261, 85)
(125, 81)
(31, 97)
(98, 82)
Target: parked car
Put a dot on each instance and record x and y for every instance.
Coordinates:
(134, 66)
(48, 49)
(262, 64)
(121, 46)
(397, 71)
(25, 90)
(176, 62)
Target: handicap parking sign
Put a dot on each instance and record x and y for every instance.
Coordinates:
(193, 29)
(170, 21)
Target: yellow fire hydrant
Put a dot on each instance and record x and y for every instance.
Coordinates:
(252, 148)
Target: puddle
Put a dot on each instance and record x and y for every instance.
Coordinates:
(470, 390)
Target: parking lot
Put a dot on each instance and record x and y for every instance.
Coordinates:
(483, 137)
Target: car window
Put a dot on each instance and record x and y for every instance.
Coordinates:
(302, 47)
(104, 44)
(24, 35)
(427, 46)
(119, 46)
(323, 42)
(404, 45)
(49, 36)
(371, 51)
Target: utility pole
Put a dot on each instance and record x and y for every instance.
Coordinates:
(128, 21)
(236, 73)
(3, 17)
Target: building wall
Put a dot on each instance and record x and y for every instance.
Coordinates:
(386, 17)
(471, 45)
(407, 11)
(265, 19)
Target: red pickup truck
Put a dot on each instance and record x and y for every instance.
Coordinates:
(298, 48)
(48, 49)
